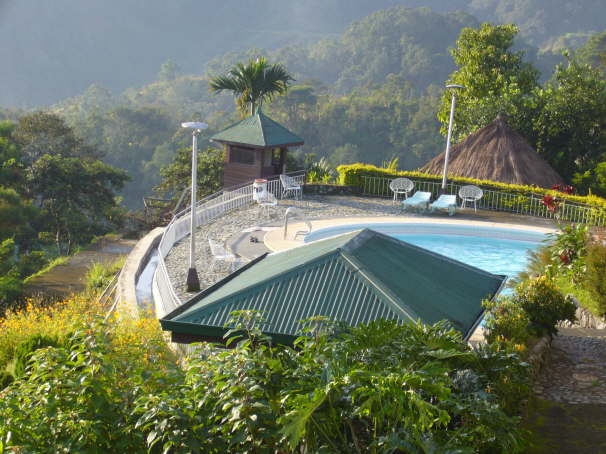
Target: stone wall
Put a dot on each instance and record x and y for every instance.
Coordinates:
(330, 189)
(585, 319)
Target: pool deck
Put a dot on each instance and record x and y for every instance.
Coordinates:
(275, 241)
(239, 229)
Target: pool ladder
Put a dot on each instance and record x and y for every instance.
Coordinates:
(293, 212)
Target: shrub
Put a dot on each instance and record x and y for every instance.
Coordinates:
(54, 321)
(568, 249)
(99, 275)
(5, 379)
(596, 275)
(11, 291)
(507, 322)
(25, 349)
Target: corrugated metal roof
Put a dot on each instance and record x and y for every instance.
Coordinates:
(258, 130)
(355, 278)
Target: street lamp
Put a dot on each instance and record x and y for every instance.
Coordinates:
(452, 108)
(193, 282)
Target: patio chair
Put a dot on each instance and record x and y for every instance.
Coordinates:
(289, 185)
(445, 202)
(268, 200)
(293, 212)
(470, 193)
(418, 201)
(221, 254)
(401, 186)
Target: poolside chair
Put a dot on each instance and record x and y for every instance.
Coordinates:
(268, 200)
(418, 201)
(290, 185)
(470, 193)
(445, 202)
(221, 254)
(401, 186)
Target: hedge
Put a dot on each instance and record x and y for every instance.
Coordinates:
(351, 174)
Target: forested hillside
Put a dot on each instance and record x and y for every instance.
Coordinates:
(53, 50)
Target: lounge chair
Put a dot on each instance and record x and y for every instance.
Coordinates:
(221, 254)
(418, 201)
(445, 202)
(289, 184)
(401, 186)
(470, 193)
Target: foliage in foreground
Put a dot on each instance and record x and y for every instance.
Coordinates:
(380, 388)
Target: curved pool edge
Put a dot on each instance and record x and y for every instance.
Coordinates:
(275, 242)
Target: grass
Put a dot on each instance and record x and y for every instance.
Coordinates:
(581, 293)
(100, 274)
(53, 263)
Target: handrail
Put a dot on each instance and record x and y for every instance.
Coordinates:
(524, 204)
(207, 209)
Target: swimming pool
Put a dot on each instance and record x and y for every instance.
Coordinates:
(493, 249)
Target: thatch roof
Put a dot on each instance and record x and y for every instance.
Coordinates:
(498, 153)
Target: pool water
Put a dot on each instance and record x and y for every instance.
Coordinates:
(495, 255)
(494, 249)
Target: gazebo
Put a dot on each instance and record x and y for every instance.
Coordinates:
(497, 153)
(354, 278)
(256, 147)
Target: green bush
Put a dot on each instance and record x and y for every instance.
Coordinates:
(5, 379)
(544, 304)
(25, 349)
(11, 290)
(381, 388)
(99, 275)
(596, 275)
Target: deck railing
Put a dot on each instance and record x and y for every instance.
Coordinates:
(524, 204)
(207, 209)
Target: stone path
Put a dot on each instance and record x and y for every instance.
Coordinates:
(570, 413)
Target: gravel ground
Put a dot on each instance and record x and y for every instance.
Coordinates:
(246, 218)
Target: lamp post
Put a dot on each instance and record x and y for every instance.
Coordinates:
(193, 282)
(452, 108)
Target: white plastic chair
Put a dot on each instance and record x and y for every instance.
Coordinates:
(267, 201)
(221, 254)
(419, 201)
(401, 186)
(470, 193)
(445, 202)
(293, 212)
(290, 185)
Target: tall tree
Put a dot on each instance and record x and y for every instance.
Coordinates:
(253, 83)
(496, 79)
(570, 128)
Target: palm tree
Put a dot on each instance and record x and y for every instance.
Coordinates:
(253, 82)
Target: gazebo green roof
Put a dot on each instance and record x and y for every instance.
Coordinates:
(355, 278)
(258, 131)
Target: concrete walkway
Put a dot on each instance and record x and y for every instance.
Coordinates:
(68, 278)
(569, 415)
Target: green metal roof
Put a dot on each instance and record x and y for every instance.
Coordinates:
(258, 130)
(355, 278)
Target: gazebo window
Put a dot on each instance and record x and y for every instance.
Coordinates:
(242, 155)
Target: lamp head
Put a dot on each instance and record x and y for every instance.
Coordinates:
(197, 125)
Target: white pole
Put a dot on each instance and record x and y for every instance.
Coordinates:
(194, 179)
(450, 121)
(193, 282)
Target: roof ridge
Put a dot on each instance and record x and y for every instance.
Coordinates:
(364, 273)
(261, 125)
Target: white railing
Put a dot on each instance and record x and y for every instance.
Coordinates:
(207, 209)
(524, 204)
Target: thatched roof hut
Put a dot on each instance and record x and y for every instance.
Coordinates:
(498, 153)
